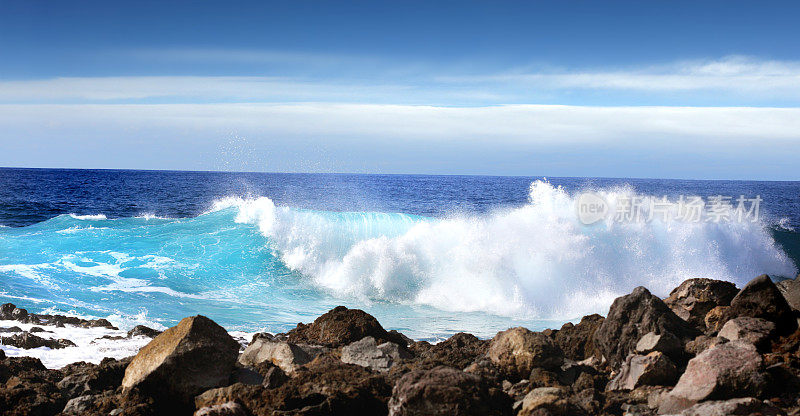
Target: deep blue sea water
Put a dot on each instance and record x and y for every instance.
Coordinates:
(427, 255)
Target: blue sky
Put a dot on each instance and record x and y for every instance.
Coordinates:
(624, 89)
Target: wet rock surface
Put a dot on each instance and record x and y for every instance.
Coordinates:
(346, 363)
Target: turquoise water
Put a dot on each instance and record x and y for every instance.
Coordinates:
(255, 263)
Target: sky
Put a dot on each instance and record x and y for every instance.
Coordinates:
(655, 89)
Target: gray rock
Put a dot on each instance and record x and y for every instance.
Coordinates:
(545, 400)
(653, 369)
(187, 359)
(734, 369)
(367, 353)
(790, 289)
(742, 406)
(756, 331)
(286, 355)
(224, 409)
(667, 343)
(79, 405)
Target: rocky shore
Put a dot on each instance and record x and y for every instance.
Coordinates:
(708, 349)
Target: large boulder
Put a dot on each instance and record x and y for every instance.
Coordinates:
(193, 356)
(760, 298)
(631, 317)
(517, 351)
(446, 391)
(577, 340)
(692, 300)
(733, 369)
(653, 369)
(790, 289)
(341, 326)
(286, 355)
(756, 331)
(367, 353)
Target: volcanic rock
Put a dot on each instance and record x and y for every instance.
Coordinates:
(631, 317)
(195, 355)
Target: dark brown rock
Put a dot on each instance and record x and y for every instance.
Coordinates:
(702, 343)
(340, 326)
(28, 388)
(85, 379)
(195, 355)
(756, 331)
(632, 316)
(26, 340)
(324, 387)
(446, 391)
(692, 300)
(458, 351)
(577, 341)
(760, 298)
(143, 331)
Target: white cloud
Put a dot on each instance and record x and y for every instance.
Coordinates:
(744, 79)
(732, 74)
(511, 123)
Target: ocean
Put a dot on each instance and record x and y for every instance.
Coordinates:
(426, 255)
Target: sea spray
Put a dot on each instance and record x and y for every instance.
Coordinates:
(536, 261)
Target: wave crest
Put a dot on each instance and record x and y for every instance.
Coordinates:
(534, 261)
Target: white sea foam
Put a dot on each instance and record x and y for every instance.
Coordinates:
(534, 261)
(90, 346)
(92, 217)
